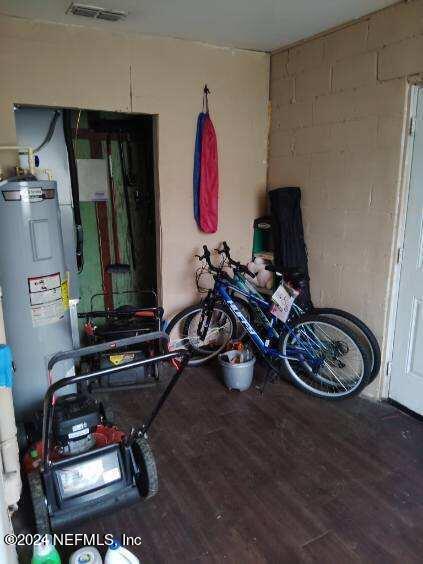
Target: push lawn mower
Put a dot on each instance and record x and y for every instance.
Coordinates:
(84, 466)
(124, 321)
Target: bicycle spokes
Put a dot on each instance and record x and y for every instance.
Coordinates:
(326, 359)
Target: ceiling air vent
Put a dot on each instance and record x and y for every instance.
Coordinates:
(111, 15)
(95, 12)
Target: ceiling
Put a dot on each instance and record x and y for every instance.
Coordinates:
(262, 25)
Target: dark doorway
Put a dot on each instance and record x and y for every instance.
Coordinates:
(119, 222)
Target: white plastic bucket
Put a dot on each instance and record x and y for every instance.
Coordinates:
(236, 376)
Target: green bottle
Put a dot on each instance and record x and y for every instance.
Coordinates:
(35, 459)
(45, 552)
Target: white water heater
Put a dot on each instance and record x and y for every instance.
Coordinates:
(35, 287)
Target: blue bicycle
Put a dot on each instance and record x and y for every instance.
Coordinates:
(295, 278)
(320, 355)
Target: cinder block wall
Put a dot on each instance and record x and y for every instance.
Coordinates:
(338, 104)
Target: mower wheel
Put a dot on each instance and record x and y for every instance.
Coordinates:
(22, 437)
(147, 481)
(42, 521)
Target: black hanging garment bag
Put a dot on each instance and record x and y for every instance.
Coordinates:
(288, 236)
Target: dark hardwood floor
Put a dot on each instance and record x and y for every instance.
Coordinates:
(279, 478)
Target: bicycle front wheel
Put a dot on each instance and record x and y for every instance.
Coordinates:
(325, 358)
(183, 333)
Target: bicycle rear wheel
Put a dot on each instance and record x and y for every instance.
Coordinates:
(362, 331)
(326, 359)
(182, 330)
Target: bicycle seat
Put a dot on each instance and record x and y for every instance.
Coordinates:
(294, 273)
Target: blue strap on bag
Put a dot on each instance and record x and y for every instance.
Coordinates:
(196, 177)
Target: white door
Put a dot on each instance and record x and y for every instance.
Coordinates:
(406, 385)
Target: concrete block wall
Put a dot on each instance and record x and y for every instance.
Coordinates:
(338, 104)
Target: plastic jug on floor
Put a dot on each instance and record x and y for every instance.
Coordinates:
(86, 555)
(45, 552)
(117, 554)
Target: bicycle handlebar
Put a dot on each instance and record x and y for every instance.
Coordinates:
(225, 251)
(206, 256)
(234, 263)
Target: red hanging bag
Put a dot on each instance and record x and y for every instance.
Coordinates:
(209, 179)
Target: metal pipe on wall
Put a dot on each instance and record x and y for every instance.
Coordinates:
(10, 478)
(23, 150)
(9, 451)
(7, 552)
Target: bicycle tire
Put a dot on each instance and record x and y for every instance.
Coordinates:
(297, 379)
(190, 312)
(368, 334)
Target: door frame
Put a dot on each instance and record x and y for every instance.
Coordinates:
(407, 146)
(156, 180)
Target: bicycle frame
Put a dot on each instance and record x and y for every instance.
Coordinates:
(258, 341)
(221, 290)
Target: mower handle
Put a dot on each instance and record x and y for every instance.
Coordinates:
(76, 378)
(117, 293)
(118, 313)
(107, 346)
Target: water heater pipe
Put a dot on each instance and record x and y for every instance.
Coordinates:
(7, 552)
(9, 452)
(23, 150)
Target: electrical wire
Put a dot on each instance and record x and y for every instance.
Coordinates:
(73, 172)
(50, 131)
(76, 129)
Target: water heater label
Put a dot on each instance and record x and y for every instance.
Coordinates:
(45, 296)
(43, 283)
(31, 194)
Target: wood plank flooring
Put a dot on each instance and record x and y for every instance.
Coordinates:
(278, 478)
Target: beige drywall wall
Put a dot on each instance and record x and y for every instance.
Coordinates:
(338, 104)
(69, 66)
